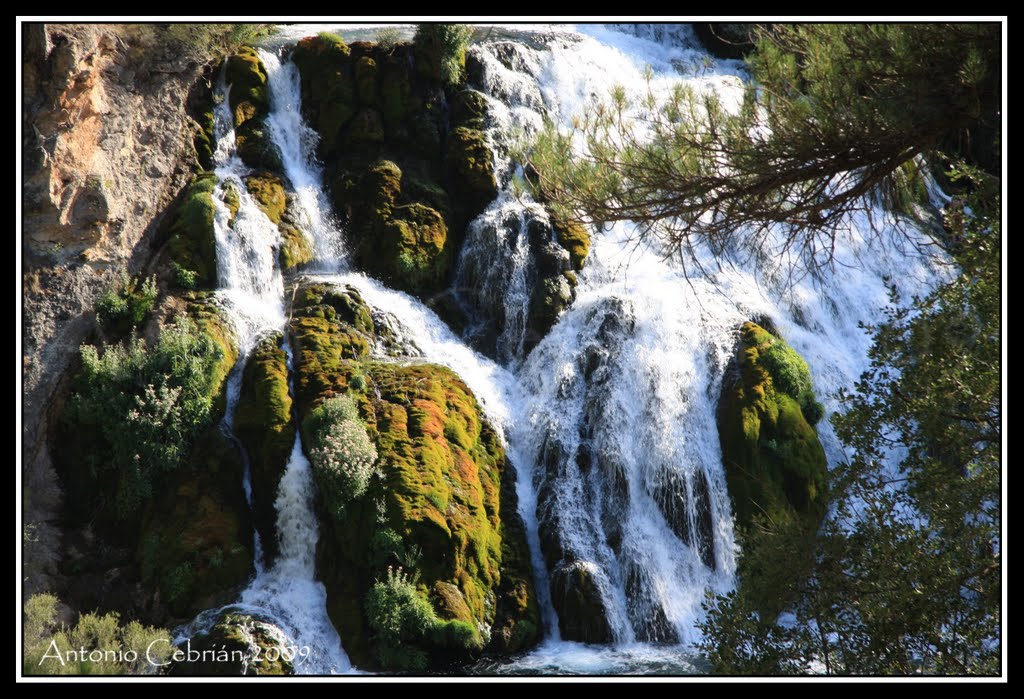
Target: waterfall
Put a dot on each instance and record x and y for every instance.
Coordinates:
(251, 291)
(610, 419)
(613, 413)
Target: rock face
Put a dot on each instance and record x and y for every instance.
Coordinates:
(442, 506)
(407, 167)
(107, 144)
(774, 463)
(237, 643)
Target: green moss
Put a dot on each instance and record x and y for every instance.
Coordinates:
(470, 169)
(574, 237)
(211, 322)
(444, 503)
(263, 421)
(192, 245)
(415, 241)
(296, 248)
(366, 80)
(255, 147)
(238, 635)
(231, 200)
(328, 87)
(204, 140)
(195, 536)
(268, 191)
(249, 95)
(774, 463)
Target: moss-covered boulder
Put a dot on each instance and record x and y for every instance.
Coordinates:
(470, 169)
(195, 538)
(774, 463)
(442, 506)
(249, 99)
(407, 167)
(264, 424)
(246, 77)
(575, 238)
(238, 643)
(327, 85)
(296, 248)
(191, 244)
(267, 190)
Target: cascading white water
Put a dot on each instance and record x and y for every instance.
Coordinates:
(251, 290)
(615, 408)
(296, 143)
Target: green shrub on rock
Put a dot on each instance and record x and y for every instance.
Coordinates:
(441, 50)
(135, 410)
(126, 303)
(340, 452)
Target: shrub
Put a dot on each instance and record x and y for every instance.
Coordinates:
(789, 371)
(125, 303)
(388, 38)
(399, 616)
(444, 46)
(184, 277)
(143, 406)
(92, 633)
(340, 452)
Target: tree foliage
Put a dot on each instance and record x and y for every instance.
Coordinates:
(832, 113)
(906, 572)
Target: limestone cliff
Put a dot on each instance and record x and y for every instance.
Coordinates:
(106, 146)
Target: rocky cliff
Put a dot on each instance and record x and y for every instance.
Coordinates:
(106, 146)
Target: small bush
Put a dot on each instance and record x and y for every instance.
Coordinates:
(45, 639)
(404, 622)
(125, 303)
(399, 616)
(185, 278)
(341, 452)
(142, 407)
(388, 38)
(444, 45)
(217, 40)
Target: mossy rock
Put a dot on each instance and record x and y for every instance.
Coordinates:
(195, 537)
(267, 190)
(204, 140)
(231, 200)
(405, 244)
(444, 505)
(774, 463)
(255, 147)
(246, 75)
(575, 238)
(328, 87)
(469, 109)
(192, 244)
(366, 81)
(577, 598)
(210, 320)
(415, 243)
(470, 170)
(296, 248)
(328, 326)
(238, 644)
(263, 422)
